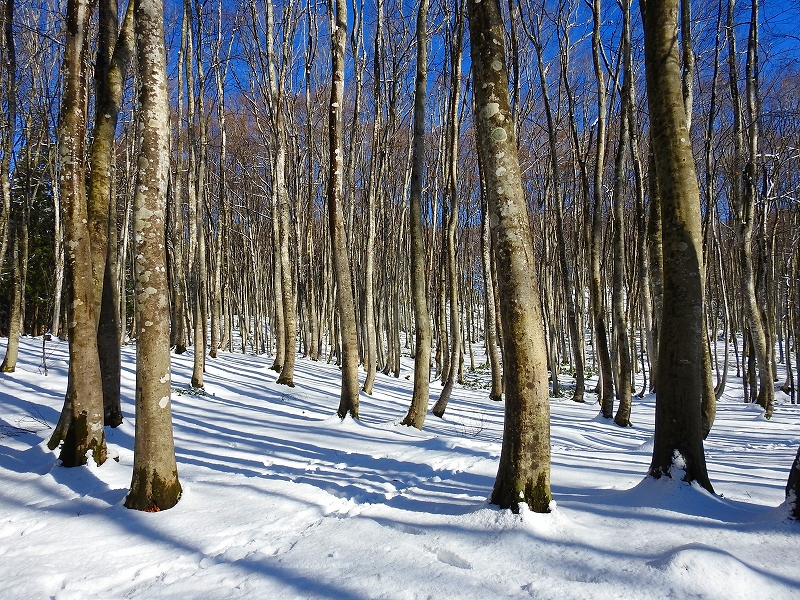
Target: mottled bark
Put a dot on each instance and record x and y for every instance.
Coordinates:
(154, 485)
(524, 472)
(81, 424)
(113, 57)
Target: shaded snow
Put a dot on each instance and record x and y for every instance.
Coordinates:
(282, 499)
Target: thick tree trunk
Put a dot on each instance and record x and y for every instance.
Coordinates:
(154, 485)
(678, 433)
(524, 471)
(81, 424)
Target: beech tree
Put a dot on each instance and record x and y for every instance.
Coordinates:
(345, 306)
(678, 431)
(422, 321)
(524, 471)
(155, 483)
(80, 427)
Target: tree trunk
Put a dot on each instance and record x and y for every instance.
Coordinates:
(456, 341)
(606, 386)
(345, 305)
(155, 484)
(114, 53)
(624, 362)
(81, 424)
(567, 276)
(422, 320)
(9, 118)
(524, 471)
(793, 488)
(678, 433)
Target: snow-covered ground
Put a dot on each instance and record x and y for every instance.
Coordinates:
(282, 500)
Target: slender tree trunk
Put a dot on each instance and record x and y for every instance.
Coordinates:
(456, 341)
(624, 363)
(490, 335)
(371, 333)
(9, 56)
(345, 305)
(567, 276)
(10, 224)
(601, 349)
(16, 226)
(422, 320)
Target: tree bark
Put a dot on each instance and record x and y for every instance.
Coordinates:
(345, 305)
(603, 355)
(81, 424)
(450, 270)
(678, 433)
(625, 368)
(114, 53)
(155, 484)
(524, 471)
(422, 320)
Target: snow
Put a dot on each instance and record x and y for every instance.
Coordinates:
(282, 499)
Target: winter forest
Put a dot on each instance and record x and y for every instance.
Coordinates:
(510, 287)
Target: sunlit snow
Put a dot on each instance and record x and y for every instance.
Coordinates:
(283, 500)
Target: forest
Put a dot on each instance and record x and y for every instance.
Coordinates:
(505, 188)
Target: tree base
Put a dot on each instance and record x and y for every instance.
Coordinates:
(152, 493)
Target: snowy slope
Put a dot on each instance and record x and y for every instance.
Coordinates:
(281, 499)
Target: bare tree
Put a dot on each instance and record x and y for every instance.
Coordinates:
(155, 483)
(678, 431)
(81, 424)
(345, 306)
(524, 471)
(422, 320)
